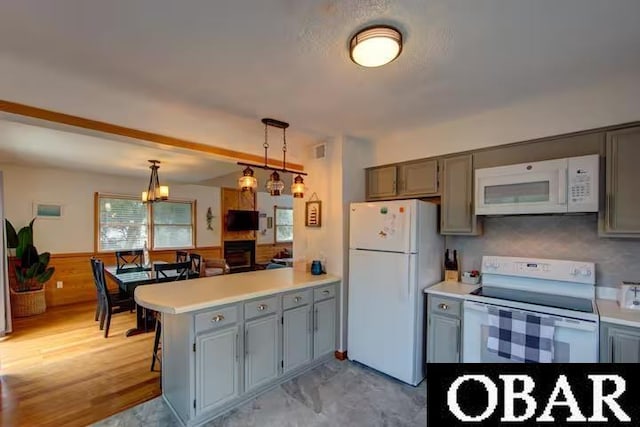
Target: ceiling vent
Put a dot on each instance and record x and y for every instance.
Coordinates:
(319, 151)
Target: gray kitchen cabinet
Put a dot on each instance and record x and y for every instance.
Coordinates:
(260, 351)
(296, 337)
(622, 196)
(218, 367)
(443, 329)
(456, 208)
(381, 182)
(324, 328)
(418, 178)
(619, 344)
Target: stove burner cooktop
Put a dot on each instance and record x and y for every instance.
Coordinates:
(583, 305)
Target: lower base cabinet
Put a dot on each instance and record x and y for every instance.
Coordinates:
(296, 337)
(218, 365)
(444, 333)
(619, 344)
(214, 360)
(260, 351)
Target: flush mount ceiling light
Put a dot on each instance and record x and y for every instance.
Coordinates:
(275, 186)
(375, 46)
(155, 192)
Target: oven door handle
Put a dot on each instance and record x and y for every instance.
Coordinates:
(560, 322)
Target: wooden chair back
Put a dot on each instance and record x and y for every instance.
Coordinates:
(129, 259)
(181, 268)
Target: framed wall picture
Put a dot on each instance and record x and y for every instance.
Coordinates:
(47, 210)
(313, 214)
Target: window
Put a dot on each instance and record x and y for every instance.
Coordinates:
(283, 224)
(172, 225)
(123, 223)
(127, 223)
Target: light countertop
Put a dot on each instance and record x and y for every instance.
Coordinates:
(451, 289)
(208, 292)
(611, 312)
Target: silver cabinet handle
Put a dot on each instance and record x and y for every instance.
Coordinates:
(442, 306)
(236, 347)
(262, 307)
(310, 321)
(326, 292)
(315, 320)
(246, 342)
(217, 318)
(297, 299)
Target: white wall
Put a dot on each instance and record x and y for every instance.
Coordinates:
(74, 232)
(610, 103)
(265, 203)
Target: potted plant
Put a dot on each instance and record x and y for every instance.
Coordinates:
(31, 270)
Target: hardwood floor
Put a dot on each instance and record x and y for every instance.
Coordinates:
(58, 369)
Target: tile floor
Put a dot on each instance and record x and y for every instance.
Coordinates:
(333, 394)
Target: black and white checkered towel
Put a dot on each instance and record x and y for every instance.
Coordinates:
(520, 336)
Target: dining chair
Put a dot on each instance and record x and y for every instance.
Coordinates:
(182, 270)
(109, 302)
(129, 259)
(196, 263)
(182, 256)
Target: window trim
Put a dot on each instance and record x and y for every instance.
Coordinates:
(275, 224)
(150, 224)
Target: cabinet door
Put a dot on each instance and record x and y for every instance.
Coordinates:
(419, 178)
(381, 182)
(260, 351)
(443, 339)
(296, 337)
(620, 345)
(456, 215)
(324, 335)
(217, 368)
(622, 202)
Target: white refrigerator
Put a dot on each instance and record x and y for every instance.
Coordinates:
(395, 251)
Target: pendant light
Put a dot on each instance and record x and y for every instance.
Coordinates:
(297, 188)
(155, 192)
(247, 182)
(275, 186)
(375, 46)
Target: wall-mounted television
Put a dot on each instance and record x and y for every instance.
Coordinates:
(242, 220)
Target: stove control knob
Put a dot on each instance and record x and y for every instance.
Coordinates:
(574, 271)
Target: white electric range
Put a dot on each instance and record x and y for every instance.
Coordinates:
(563, 291)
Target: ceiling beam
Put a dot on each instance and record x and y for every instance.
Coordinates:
(95, 125)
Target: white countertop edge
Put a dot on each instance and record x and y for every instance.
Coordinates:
(325, 280)
(618, 321)
(451, 289)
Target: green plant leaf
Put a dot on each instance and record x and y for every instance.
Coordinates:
(12, 236)
(29, 256)
(44, 277)
(44, 258)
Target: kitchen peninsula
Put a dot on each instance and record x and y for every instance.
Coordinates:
(226, 339)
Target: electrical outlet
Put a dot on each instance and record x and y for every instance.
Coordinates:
(59, 284)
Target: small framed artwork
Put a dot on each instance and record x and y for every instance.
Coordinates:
(47, 210)
(313, 214)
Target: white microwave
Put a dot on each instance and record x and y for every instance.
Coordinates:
(550, 186)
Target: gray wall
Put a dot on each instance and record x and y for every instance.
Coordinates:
(572, 237)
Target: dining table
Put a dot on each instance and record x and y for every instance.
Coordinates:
(128, 279)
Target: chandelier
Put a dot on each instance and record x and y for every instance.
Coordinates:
(155, 192)
(275, 186)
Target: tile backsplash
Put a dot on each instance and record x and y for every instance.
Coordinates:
(571, 237)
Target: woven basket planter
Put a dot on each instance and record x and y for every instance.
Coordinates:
(25, 304)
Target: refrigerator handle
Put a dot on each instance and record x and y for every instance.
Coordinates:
(411, 280)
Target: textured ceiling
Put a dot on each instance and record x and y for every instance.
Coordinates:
(289, 58)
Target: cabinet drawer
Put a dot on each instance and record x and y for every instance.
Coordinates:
(216, 318)
(260, 307)
(296, 299)
(442, 305)
(324, 292)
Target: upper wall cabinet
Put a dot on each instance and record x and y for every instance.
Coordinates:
(418, 178)
(405, 180)
(381, 182)
(622, 198)
(457, 213)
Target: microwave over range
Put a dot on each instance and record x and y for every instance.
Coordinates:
(550, 186)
